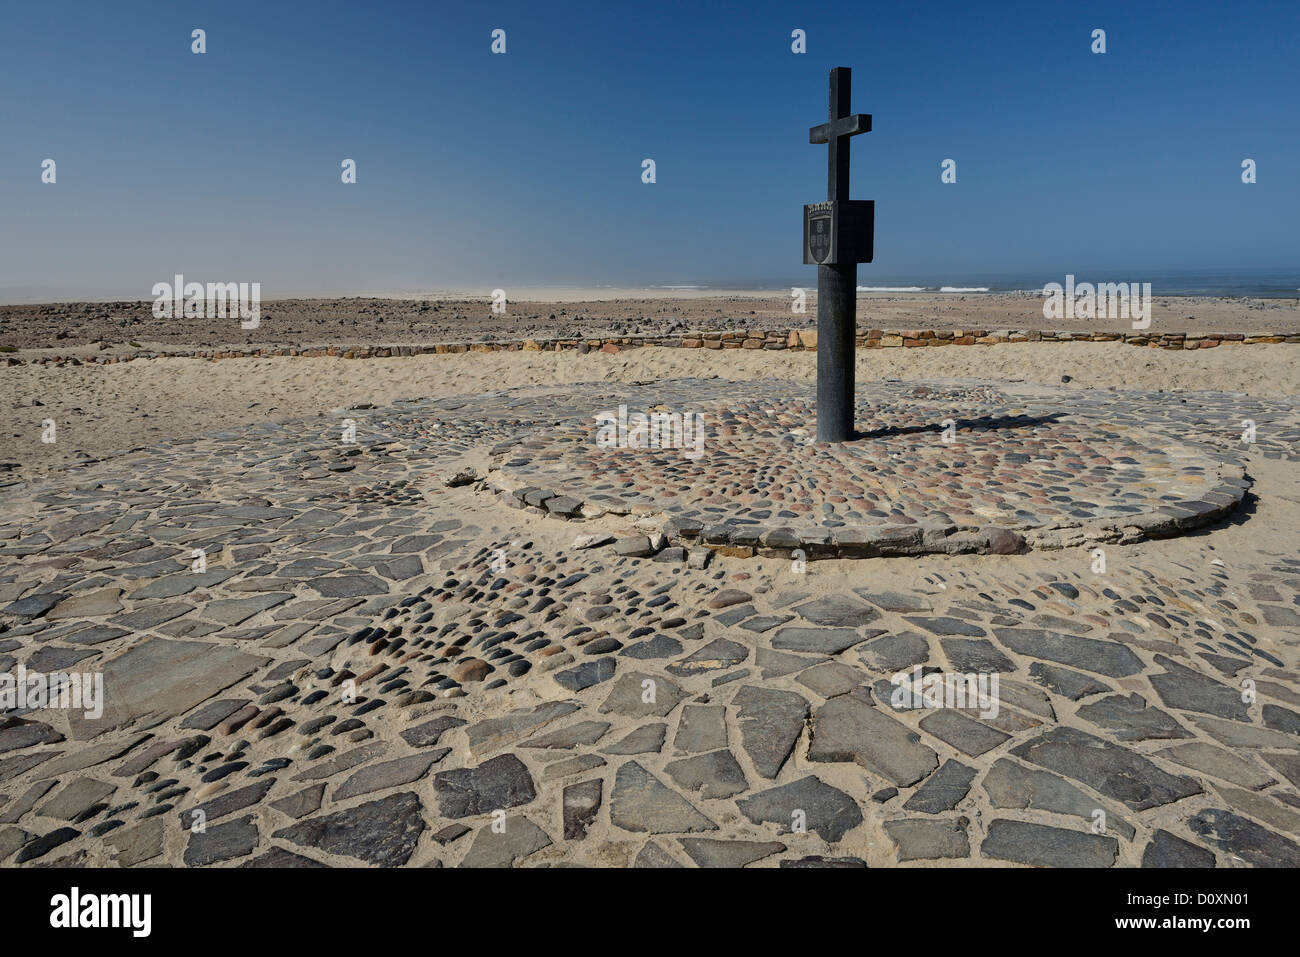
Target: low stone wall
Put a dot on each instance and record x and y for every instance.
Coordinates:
(795, 339)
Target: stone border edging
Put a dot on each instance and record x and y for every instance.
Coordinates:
(880, 541)
(793, 339)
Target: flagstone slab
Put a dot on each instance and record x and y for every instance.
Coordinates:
(850, 728)
(928, 839)
(641, 802)
(382, 833)
(160, 678)
(707, 852)
(771, 721)
(1087, 654)
(1043, 846)
(808, 802)
(1106, 767)
(518, 838)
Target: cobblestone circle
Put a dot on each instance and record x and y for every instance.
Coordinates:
(933, 470)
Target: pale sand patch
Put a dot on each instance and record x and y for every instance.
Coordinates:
(99, 409)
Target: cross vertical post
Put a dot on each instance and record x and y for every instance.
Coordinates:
(837, 236)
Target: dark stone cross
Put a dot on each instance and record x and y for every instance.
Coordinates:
(837, 235)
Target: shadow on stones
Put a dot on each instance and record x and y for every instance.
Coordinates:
(983, 422)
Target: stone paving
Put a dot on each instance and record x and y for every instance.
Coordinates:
(1009, 475)
(379, 661)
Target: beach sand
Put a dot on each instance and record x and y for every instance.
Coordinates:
(100, 409)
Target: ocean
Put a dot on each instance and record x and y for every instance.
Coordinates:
(1258, 284)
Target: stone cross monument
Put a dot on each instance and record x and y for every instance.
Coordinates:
(837, 235)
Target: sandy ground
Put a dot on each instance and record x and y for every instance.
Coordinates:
(65, 327)
(100, 409)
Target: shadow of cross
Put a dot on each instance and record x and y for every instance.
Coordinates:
(838, 234)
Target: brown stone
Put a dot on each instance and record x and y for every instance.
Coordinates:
(472, 669)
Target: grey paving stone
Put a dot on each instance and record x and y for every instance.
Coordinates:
(895, 653)
(764, 623)
(1014, 786)
(301, 803)
(1243, 838)
(717, 654)
(40, 846)
(1066, 683)
(818, 861)
(427, 733)
(92, 604)
(152, 615)
(659, 646)
(831, 679)
(389, 774)
(226, 803)
(1280, 719)
(75, 798)
(578, 764)
(1237, 735)
(33, 606)
(928, 839)
(1088, 654)
(221, 842)
(382, 833)
(701, 728)
(494, 733)
(837, 611)
(1106, 768)
(894, 601)
(213, 713)
(342, 762)
(770, 722)
(1208, 759)
(714, 775)
(1129, 718)
(26, 801)
(518, 839)
(946, 626)
(279, 858)
(962, 732)
(647, 739)
(1182, 687)
(348, 586)
(807, 803)
(775, 664)
(652, 855)
(1168, 850)
(975, 656)
(162, 678)
(584, 732)
(822, 641)
(581, 803)
(1044, 846)
(586, 674)
(943, 790)
(707, 852)
(641, 802)
(639, 695)
(849, 728)
(500, 783)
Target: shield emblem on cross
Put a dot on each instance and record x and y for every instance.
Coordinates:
(819, 224)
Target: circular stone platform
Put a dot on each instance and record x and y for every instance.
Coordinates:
(1017, 475)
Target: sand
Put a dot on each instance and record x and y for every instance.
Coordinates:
(100, 409)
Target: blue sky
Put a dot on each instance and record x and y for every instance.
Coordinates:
(489, 170)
